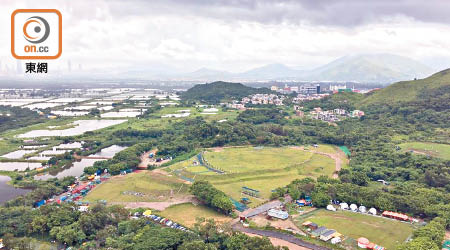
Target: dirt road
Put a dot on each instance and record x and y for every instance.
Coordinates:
(158, 205)
(145, 159)
(338, 158)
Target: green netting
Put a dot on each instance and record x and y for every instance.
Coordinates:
(239, 206)
(345, 150)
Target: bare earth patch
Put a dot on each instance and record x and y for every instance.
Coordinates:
(158, 205)
(261, 221)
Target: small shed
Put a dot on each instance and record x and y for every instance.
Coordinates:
(362, 209)
(319, 231)
(331, 208)
(372, 211)
(310, 225)
(354, 207)
(344, 206)
(394, 215)
(327, 235)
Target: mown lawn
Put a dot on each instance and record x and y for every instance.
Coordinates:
(263, 169)
(428, 148)
(154, 187)
(187, 213)
(240, 160)
(385, 232)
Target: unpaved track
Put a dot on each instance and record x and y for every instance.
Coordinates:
(158, 205)
(337, 157)
(145, 160)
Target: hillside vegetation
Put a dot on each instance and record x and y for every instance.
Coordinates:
(216, 92)
(437, 84)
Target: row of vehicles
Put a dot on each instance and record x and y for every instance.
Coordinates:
(166, 222)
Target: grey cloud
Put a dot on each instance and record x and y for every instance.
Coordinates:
(322, 12)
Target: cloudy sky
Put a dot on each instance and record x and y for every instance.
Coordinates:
(237, 35)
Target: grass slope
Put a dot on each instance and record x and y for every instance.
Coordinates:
(408, 90)
(187, 213)
(433, 149)
(154, 186)
(381, 231)
(263, 169)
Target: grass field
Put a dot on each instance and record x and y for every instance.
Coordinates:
(263, 169)
(240, 160)
(153, 186)
(433, 149)
(385, 232)
(186, 214)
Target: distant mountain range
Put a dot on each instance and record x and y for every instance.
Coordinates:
(364, 69)
(368, 68)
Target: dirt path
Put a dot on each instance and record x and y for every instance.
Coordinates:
(338, 159)
(261, 220)
(145, 160)
(158, 205)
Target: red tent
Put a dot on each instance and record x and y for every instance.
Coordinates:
(78, 189)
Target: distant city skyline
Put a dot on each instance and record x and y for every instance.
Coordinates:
(112, 37)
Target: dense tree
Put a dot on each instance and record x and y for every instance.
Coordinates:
(213, 197)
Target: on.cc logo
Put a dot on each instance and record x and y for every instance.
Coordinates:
(36, 34)
(36, 29)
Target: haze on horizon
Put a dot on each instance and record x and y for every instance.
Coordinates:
(185, 35)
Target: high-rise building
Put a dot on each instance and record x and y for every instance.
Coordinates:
(308, 89)
(337, 87)
(318, 88)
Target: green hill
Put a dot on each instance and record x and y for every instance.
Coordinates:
(407, 91)
(217, 92)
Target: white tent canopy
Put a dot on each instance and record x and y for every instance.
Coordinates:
(362, 209)
(373, 211)
(331, 208)
(344, 205)
(353, 207)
